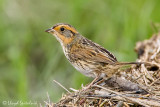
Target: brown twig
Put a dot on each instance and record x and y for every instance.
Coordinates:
(62, 86)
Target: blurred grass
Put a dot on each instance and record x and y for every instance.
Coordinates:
(30, 58)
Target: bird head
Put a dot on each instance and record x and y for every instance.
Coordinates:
(64, 33)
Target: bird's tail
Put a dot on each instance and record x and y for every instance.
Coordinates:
(134, 63)
(138, 63)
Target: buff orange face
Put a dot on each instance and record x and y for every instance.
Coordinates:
(64, 32)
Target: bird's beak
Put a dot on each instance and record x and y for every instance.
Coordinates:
(49, 30)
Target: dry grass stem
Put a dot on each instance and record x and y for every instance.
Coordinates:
(62, 86)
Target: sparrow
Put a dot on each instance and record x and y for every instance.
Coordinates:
(86, 56)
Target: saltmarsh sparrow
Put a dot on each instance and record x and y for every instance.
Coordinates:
(88, 57)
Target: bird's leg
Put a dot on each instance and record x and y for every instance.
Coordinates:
(94, 80)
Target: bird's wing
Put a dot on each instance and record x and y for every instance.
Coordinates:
(92, 52)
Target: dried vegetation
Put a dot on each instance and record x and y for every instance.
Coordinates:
(135, 86)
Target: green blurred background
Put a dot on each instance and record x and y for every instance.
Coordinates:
(30, 59)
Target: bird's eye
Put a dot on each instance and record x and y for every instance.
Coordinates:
(62, 29)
